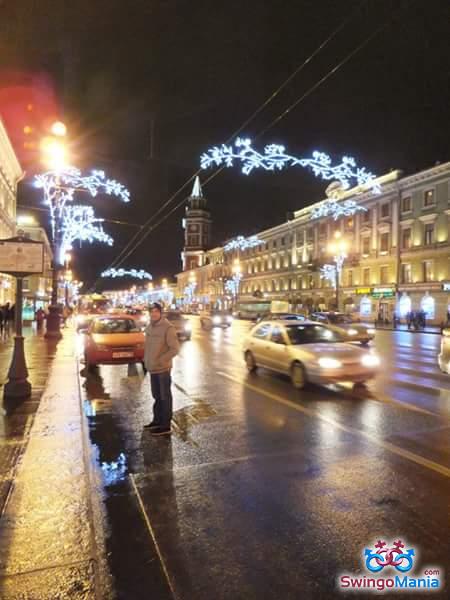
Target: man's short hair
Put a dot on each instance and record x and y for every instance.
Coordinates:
(156, 306)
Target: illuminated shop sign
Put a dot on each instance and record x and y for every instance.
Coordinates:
(383, 292)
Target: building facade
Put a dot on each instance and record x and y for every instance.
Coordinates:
(397, 259)
(10, 174)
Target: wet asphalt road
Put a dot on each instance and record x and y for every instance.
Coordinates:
(264, 491)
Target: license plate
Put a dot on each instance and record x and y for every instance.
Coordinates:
(122, 354)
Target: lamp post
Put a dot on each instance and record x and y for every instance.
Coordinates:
(338, 248)
(67, 276)
(54, 155)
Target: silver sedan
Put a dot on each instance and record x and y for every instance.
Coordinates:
(308, 352)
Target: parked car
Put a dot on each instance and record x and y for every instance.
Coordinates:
(113, 340)
(444, 356)
(182, 325)
(355, 332)
(215, 318)
(308, 352)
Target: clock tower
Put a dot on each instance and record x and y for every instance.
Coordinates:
(197, 229)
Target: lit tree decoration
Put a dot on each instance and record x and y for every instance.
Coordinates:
(242, 243)
(275, 158)
(134, 273)
(189, 291)
(332, 272)
(328, 272)
(60, 186)
(80, 223)
(232, 284)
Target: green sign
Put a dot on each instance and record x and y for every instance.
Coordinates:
(383, 292)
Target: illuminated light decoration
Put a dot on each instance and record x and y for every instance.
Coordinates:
(232, 285)
(189, 291)
(242, 243)
(141, 274)
(329, 272)
(60, 186)
(80, 223)
(336, 210)
(276, 159)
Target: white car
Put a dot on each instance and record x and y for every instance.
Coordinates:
(308, 352)
(215, 318)
(444, 356)
(355, 332)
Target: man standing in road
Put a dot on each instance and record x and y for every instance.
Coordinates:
(161, 345)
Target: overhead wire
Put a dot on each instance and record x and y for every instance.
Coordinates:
(149, 228)
(123, 254)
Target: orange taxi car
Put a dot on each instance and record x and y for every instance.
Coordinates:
(113, 340)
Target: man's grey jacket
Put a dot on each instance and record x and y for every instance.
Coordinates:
(161, 345)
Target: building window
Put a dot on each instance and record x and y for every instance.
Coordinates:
(427, 268)
(384, 274)
(323, 229)
(384, 242)
(406, 204)
(350, 278)
(311, 282)
(366, 216)
(404, 305)
(366, 245)
(429, 234)
(385, 210)
(428, 198)
(406, 273)
(310, 234)
(349, 222)
(406, 238)
(366, 276)
(283, 241)
(193, 240)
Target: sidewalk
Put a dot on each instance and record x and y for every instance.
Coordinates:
(16, 418)
(48, 547)
(429, 329)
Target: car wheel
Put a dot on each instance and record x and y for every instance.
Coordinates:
(298, 376)
(360, 385)
(365, 343)
(250, 362)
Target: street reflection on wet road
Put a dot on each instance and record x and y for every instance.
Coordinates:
(263, 490)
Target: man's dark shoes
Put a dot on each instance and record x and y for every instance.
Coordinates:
(160, 431)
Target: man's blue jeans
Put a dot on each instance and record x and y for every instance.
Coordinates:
(162, 394)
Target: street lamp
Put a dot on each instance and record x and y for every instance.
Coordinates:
(235, 279)
(338, 248)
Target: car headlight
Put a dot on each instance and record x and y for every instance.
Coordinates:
(230, 319)
(329, 363)
(370, 360)
(80, 319)
(217, 320)
(352, 331)
(371, 331)
(187, 326)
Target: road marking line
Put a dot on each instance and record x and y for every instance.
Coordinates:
(406, 405)
(416, 458)
(152, 535)
(430, 374)
(427, 389)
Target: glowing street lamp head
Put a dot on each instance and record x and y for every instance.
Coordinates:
(59, 129)
(54, 153)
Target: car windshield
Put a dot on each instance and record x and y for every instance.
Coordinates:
(340, 319)
(312, 334)
(115, 326)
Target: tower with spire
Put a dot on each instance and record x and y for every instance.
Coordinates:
(197, 229)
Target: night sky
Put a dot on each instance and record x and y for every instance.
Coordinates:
(193, 71)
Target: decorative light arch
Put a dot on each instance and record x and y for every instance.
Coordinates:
(80, 223)
(134, 273)
(274, 158)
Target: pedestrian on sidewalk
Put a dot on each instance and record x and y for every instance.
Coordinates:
(161, 346)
